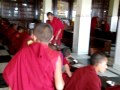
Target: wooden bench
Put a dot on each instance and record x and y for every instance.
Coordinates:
(99, 44)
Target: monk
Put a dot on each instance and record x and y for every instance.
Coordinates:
(16, 39)
(86, 78)
(94, 24)
(11, 30)
(57, 26)
(65, 68)
(36, 67)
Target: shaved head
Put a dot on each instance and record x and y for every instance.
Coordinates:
(43, 32)
(97, 58)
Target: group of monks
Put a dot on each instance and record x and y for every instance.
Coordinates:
(12, 35)
(38, 63)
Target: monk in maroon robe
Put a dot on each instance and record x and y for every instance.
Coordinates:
(94, 24)
(11, 30)
(57, 26)
(36, 67)
(86, 78)
(66, 68)
(27, 41)
(14, 42)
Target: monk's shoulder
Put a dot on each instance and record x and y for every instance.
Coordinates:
(54, 52)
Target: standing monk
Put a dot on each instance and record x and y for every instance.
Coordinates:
(58, 28)
(86, 78)
(36, 66)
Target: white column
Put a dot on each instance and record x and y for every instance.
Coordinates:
(82, 27)
(117, 51)
(113, 14)
(47, 7)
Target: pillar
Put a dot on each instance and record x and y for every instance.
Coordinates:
(117, 50)
(113, 14)
(54, 6)
(70, 9)
(82, 27)
(47, 7)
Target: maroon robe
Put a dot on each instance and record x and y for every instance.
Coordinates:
(32, 68)
(9, 32)
(25, 41)
(14, 42)
(84, 78)
(94, 23)
(114, 88)
(56, 25)
(107, 27)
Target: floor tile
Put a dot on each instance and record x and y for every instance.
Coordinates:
(2, 66)
(5, 59)
(4, 52)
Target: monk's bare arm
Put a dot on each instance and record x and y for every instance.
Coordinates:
(59, 83)
(56, 38)
(10, 88)
(67, 70)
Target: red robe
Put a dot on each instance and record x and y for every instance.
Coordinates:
(9, 32)
(84, 78)
(114, 88)
(25, 41)
(56, 25)
(32, 68)
(24, 35)
(107, 27)
(14, 43)
(94, 23)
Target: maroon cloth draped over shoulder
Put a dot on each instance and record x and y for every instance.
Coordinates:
(84, 78)
(56, 25)
(32, 68)
(25, 41)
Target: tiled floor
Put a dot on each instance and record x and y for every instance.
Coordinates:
(4, 59)
(6, 88)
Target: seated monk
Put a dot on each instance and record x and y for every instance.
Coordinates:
(4, 25)
(15, 42)
(11, 30)
(86, 78)
(36, 67)
(22, 37)
(94, 24)
(65, 68)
